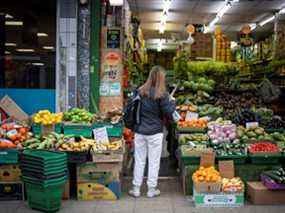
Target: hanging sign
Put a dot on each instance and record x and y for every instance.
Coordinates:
(113, 38)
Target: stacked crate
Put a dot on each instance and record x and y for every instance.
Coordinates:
(44, 174)
(223, 47)
(11, 187)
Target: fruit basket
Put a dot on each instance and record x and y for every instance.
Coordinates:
(84, 130)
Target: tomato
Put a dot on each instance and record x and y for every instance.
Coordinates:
(22, 130)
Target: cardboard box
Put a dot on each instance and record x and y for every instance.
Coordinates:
(96, 191)
(10, 173)
(103, 173)
(218, 200)
(258, 194)
(12, 109)
(207, 159)
(11, 191)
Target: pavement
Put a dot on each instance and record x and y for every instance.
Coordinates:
(171, 201)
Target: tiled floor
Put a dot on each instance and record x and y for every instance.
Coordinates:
(171, 201)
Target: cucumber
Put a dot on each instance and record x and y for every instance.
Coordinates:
(273, 176)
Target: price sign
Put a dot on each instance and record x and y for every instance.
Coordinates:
(207, 159)
(226, 169)
(101, 136)
(191, 115)
(251, 124)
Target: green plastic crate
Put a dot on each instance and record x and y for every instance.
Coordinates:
(41, 165)
(9, 156)
(37, 128)
(190, 160)
(238, 159)
(113, 130)
(44, 183)
(84, 130)
(191, 130)
(49, 171)
(44, 157)
(265, 158)
(275, 130)
(47, 199)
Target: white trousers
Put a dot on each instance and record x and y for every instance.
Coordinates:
(147, 146)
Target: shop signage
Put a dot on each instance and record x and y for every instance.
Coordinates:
(112, 58)
(108, 88)
(101, 136)
(113, 38)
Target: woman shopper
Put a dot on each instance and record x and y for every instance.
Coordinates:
(155, 104)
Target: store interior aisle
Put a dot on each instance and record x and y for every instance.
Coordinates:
(171, 201)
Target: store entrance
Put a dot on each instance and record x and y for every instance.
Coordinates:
(27, 53)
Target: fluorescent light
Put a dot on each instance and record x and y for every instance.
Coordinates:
(267, 21)
(159, 46)
(42, 34)
(212, 23)
(233, 44)
(166, 5)
(224, 10)
(10, 44)
(116, 2)
(161, 28)
(8, 16)
(48, 47)
(282, 11)
(163, 18)
(25, 50)
(38, 64)
(7, 53)
(253, 26)
(13, 23)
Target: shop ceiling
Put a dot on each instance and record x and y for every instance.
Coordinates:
(183, 12)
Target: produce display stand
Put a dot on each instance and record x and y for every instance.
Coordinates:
(9, 156)
(39, 129)
(265, 158)
(84, 130)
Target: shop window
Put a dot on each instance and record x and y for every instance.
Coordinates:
(27, 44)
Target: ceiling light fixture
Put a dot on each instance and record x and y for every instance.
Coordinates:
(282, 11)
(48, 47)
(166, 5)
(38, 64)
(264, 22)
(8, 16)
(159, 45)
(224, 10)
(219, 15)
(8, 44)
(25, 50)
(161, 28)
(271, 18)
(253, 26)
(164, 15)
(116, 2)
(13, 23)
(42, 34)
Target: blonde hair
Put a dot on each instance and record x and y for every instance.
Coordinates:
(156, 80)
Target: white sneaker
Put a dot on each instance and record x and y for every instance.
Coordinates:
(135, 192)
(153, 192)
